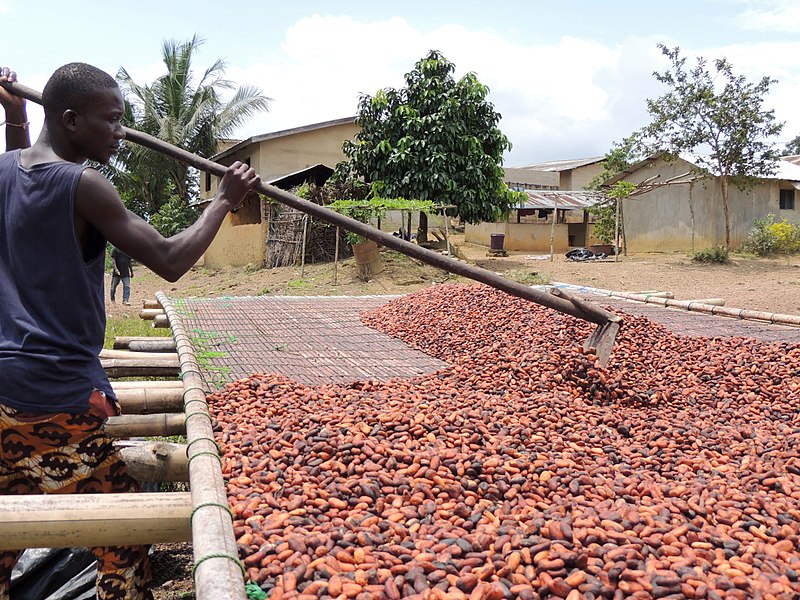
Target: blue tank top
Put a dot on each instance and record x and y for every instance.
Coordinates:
(52, 304)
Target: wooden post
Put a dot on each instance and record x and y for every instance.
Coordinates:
(553, 234)
(154, 461)
(124, 342)
(154, 384)
(132, 367)
(150, 313)
(303, 248)
(616, 230)
(154, 357)
(126, 426)
(336, 259)
(87, 520)
(447, 232)
(150, 304)
(144, 401)
(160, 321)
(218, 572)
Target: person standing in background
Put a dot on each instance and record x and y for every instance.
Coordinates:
(122, 271)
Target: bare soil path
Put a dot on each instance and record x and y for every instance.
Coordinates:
(766, 284)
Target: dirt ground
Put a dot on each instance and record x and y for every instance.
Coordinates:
(767, 284)
(753, 283)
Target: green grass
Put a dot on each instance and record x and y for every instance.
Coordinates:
(133, 326)
(528, 278)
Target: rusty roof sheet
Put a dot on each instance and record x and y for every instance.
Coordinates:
(562, 199)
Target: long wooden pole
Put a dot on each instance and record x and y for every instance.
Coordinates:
(562, 303)
(126, 426)
(87, 520)
(137, 367)
(144, 401)
(218, 572)
(154, 461)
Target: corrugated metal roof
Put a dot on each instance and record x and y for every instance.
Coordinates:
(284, 132)
(786, 168)
(561, 199)
(563, 165)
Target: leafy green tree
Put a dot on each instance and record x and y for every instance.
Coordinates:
(708, 109)
(435, 139)
(793, 147)
(185, 111)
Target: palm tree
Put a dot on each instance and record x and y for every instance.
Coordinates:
(184, 112)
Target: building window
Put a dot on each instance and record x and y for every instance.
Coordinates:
(787, 200)
(208, 182)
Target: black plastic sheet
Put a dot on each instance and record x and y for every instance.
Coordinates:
(54, 574)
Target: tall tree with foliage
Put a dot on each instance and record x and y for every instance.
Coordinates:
(185, 110)
(718, 115)
(793, 147)
(436, 139)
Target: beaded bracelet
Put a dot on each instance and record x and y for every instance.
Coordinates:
(20, 125)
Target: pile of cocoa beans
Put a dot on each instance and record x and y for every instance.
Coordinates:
(524, 469)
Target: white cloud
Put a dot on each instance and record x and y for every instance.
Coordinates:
(568, 99)
(770, 16)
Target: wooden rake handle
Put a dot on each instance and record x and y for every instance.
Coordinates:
(564, 302)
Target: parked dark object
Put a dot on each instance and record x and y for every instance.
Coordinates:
(581, 254)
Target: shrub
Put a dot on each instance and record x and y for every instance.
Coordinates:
(761, 240)
(787, 236)
(768, 237)
(717, 254)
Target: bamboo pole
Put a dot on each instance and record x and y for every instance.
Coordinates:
(150, 313)
(218, 573)
(160, 322)
(303, 248)
(88, 520)
(155, 357)
(151, 303)
(132, 367)
(336, 260)
(126, 426)
(154, 461)
(140, 343)
(144, 401)
(693, 305)
(149, 384)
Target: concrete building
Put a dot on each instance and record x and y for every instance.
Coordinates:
(286, 157)
(689, 216)
(558, 186)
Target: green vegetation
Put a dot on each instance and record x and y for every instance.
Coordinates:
(436, 139)
(298, 284)
(183, 107)
(528, 278)
(133, 327)
(717, 116)
(768, 237)
(375, 208)
(717, 254)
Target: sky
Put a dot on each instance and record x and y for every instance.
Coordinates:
(570, 77)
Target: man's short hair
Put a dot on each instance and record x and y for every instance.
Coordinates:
(72, 85)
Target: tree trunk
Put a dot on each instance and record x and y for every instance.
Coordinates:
(691, 212)
(724, 181)
(422, 230)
